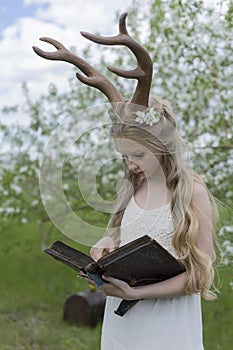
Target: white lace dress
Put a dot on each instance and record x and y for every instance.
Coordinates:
(152, 324)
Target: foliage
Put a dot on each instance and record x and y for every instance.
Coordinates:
(191, 47)
(24, 149)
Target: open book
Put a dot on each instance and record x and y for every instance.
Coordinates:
(140, 262)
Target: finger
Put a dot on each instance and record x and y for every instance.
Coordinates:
(81, 274)
(111, 249)
(114, 281)
(96, 253)
(87, 279)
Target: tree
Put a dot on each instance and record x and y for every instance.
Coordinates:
(56, 118)
(191, 47)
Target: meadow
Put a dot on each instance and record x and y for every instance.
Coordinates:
(34, 288)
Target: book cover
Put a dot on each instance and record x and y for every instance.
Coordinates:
(140, 262)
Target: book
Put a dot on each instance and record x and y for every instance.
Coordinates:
(141, 262)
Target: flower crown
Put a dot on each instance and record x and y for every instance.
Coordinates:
(151, 117)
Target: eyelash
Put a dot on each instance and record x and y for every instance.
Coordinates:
(141, 155)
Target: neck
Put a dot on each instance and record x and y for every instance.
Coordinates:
(152, 193)
(156, 179)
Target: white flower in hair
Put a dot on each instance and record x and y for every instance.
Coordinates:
(149, 118)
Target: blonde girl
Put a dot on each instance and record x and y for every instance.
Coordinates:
(164, 199)
(159, 196)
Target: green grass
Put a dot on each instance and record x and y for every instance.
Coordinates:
(32, 295)
(33, 290)
(217, 315)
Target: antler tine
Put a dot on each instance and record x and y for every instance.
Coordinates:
(93, 77)
(143, 72)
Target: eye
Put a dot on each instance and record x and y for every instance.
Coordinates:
(139, 155)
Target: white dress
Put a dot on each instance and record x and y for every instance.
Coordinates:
(152, 324)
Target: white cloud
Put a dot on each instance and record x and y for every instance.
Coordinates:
(59, 19)
(88, 15)
(19, 61)
(37, 2)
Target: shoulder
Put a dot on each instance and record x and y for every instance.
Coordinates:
(200, 198)
(203, 207)
(199, 191)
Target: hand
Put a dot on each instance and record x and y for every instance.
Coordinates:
(114, 287)
(104, 245)
(117, 288)
(90, 282)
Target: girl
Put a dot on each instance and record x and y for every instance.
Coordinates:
(172, 205)
(160, 197)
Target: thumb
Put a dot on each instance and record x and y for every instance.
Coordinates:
(113, 281)
(110, 249)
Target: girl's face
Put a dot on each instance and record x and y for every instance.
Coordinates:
(139, 159)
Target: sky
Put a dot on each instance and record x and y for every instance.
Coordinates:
(23, 22)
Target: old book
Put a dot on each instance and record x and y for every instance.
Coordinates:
(140, 262)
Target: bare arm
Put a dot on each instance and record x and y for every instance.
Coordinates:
(173, 286)
(104, 245)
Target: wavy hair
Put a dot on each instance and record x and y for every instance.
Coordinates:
(164, 137)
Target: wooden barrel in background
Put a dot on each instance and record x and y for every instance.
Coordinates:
(84, 308)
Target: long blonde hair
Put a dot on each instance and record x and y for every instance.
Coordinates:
(164, 136)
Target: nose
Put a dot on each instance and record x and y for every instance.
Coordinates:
(131, 165)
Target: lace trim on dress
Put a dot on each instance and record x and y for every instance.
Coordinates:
(156, 223)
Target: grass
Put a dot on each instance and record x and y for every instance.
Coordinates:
(217, 315)
(33, 290)
(32, 295)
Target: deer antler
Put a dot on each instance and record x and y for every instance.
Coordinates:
(93, 77)
(143, 72)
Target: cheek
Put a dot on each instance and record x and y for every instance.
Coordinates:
(153, 164)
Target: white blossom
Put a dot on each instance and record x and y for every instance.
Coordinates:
(16, 188)
(23, 169)
(65, 187)
(10, 210)
(24, 220)
(35, 202)
(148, 118)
